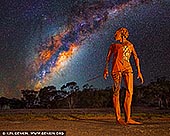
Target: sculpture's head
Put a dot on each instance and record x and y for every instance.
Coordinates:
(121, 33)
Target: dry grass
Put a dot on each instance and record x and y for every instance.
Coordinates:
(75, 116)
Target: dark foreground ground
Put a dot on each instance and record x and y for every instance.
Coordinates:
(86, 122)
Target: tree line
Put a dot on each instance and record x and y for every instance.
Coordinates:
(156, 93)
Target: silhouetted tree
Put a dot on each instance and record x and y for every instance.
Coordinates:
(71, 89)
(29, 97)
(4, 103)
(154, 94)
(91, 97)
(48, 97)
(16, 104)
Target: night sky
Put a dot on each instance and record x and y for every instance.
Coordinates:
(28, 25)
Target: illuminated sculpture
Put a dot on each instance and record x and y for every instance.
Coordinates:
(121, 67)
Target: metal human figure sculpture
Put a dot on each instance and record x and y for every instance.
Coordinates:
(121, 67)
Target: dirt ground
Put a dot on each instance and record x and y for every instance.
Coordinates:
(86, 122)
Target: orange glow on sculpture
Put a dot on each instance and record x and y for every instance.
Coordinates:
(121, 68)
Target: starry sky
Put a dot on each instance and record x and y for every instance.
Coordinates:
(28, 25)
